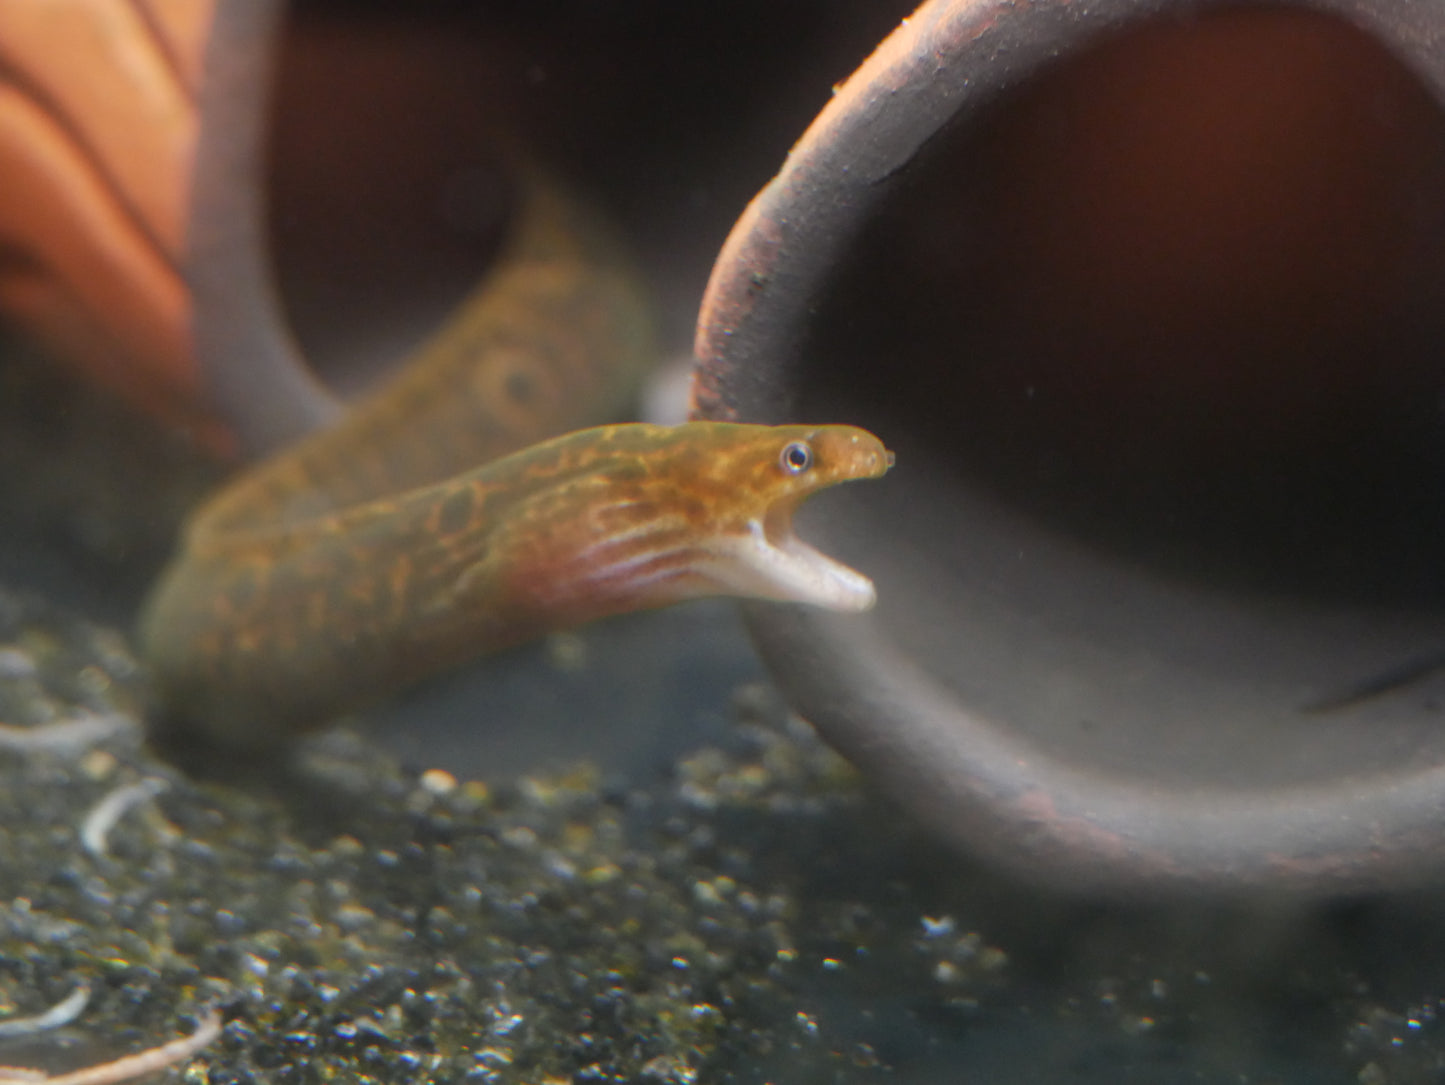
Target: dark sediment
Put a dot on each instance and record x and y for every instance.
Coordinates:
(749, 914)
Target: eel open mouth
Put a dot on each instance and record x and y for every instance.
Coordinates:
(769, 561)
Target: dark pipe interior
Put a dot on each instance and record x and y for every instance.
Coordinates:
(1158, 342)
(390, 125)
(389, 196)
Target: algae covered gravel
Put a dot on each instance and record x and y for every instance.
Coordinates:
(753, 916)
(396, 926)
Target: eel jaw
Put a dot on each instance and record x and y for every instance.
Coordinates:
(769, 561)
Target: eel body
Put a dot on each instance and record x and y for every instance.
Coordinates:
(268, 628)
(375, 552)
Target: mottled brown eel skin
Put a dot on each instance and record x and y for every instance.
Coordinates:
(359, 561)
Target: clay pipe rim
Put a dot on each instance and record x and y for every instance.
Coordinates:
(974, 782)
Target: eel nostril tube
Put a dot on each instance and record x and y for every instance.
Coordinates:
(1151, 309)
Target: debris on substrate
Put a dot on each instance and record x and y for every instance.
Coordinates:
(756, 916)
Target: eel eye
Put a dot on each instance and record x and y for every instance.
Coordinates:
(797, 457)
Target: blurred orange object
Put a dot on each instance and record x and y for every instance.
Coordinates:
(98, 131)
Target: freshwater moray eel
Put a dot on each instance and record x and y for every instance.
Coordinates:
(360, 560)
(265, 626)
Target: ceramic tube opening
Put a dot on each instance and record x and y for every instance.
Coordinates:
(1164, 324)
(1152, 315)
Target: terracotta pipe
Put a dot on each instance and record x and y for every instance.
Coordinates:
(133, 236)
(1147, 297)
(140, 149)
(251, 366)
